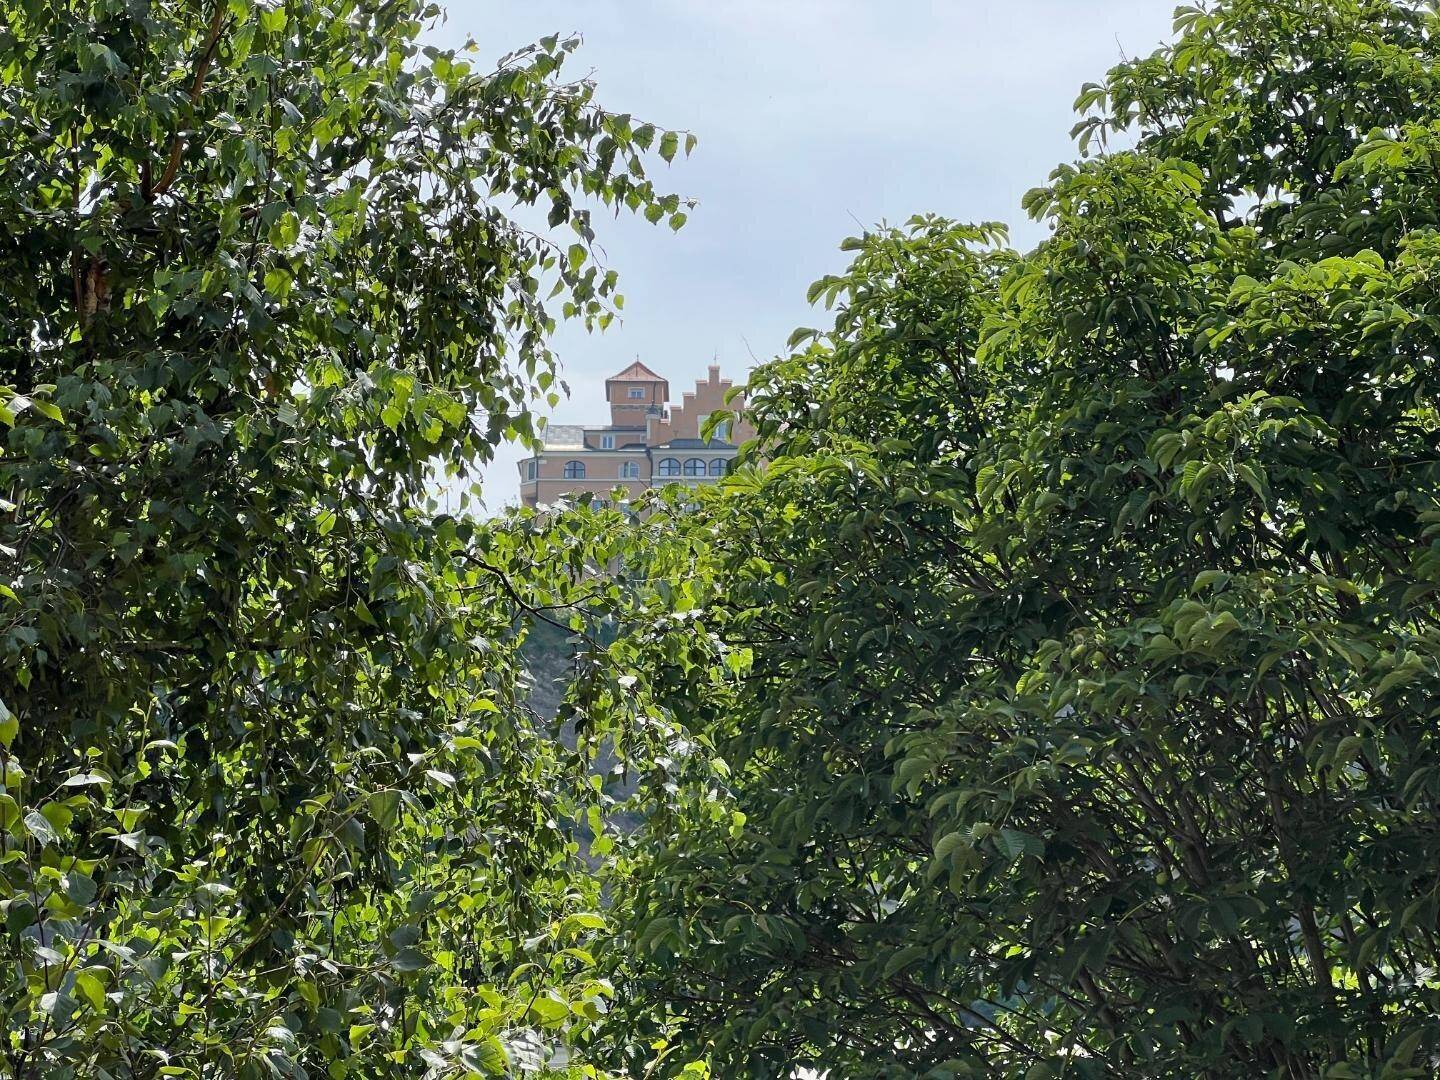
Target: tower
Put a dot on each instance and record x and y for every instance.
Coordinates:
(635, 394)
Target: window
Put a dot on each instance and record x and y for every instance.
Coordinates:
(719, 467)
(574, 470)
(530, 470)
(669, 466)
(637, 393)
(722, 429)
(694, 466)
(607, 442)
(630, 471)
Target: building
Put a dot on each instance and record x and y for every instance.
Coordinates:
(647, 443)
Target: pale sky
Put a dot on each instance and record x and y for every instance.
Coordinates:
(815, 118)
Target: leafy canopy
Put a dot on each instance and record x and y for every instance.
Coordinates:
(1085, 618)
(272, 802)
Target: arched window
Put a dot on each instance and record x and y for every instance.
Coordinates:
(574, 470)
(669, 466)
(629, 470)
(694, 466)
(719, 466)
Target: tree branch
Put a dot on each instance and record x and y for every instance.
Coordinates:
(202, 69)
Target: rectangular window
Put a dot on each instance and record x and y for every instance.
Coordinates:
(607, 442)
(637, 393)
(721, 432)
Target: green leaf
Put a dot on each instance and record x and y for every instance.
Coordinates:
(40, 828)
(47, 409)
(904, 958)
(385, 807)
(549, 1009)
(9, 726)
(1013, 844)
(88, 779)
(409, 959)
(91, 990)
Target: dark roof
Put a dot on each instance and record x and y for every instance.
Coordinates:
(696, 444)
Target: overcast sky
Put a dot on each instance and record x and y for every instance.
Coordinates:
(815, 118)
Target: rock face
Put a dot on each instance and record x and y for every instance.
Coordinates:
(549, 656)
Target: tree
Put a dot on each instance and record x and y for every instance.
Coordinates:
(272, 802)
(1085, 620)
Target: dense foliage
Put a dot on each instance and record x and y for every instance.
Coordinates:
(272, 804)
(1055, 694)
(1073, 671)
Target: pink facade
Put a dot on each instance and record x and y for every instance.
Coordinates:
(648, 442)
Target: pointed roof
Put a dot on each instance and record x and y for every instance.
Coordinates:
(636, 372)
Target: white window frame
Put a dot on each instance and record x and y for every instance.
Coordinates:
(607, 442)
(722, 431)
(636, 393)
